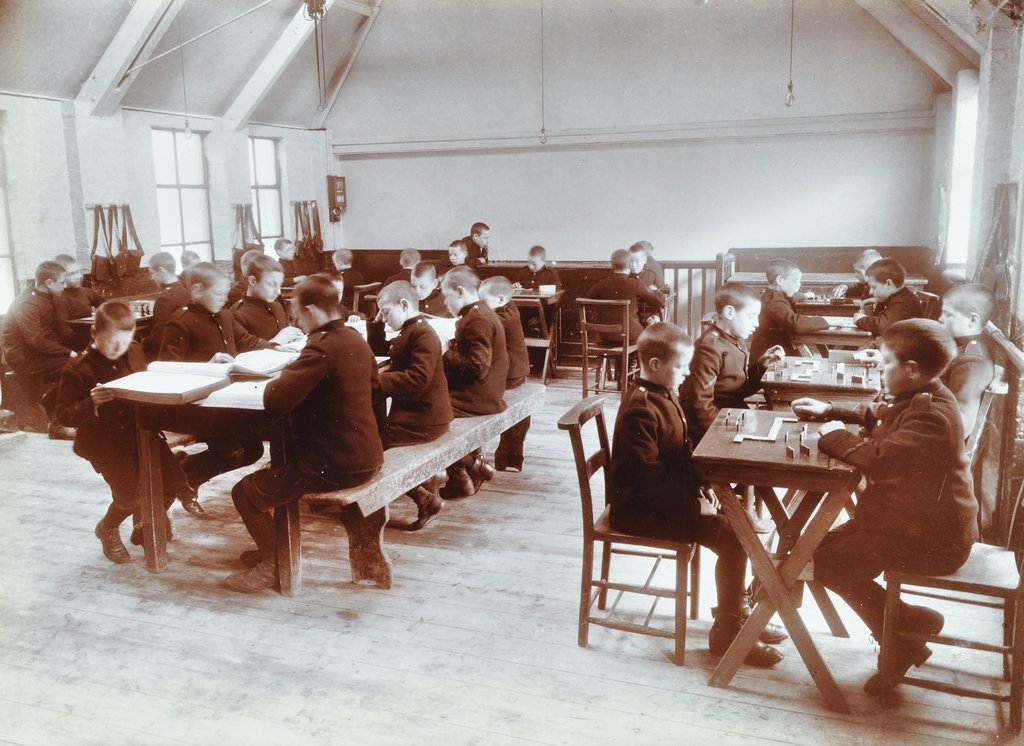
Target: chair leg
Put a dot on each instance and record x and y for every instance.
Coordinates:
(547, 363)
(606, 568)
(890, 640)
(682, 573)
(695, 582)
(585, 587)
(1009, 610)
(586, 375)
(1017, 679)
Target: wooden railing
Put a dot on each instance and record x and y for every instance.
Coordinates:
(692, 287)
(1003, 455)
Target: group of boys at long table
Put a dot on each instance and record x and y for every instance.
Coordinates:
(916, 512)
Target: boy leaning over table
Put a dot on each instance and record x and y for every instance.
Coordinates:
(918, 511)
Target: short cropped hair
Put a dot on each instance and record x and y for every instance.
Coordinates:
(281, 242)
(113, 315)
(65, 260)
(422, 269)
(780, 268)
(866, 258)
(497, 285)
(458, 243)
(462, 276)
(189, 255)
(887, 269)
(246, 260)
(971, 298)
(205, 274)
(47, 272)
(262, 264)
(924, 341)
(735, 294)
(620, 260)
(163, 260)
(396, 291)
(320, 291)
(343, 257)
(660, 340)
(478, 228)
(644, 246)
(409, 258)
(538, 251)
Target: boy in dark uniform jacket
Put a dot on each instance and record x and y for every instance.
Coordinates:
(342, 260)
(428, 290)
(894, 302)
(652, 267)
(537, 272)
(476, 366)
(34, 341)
(653, 487)
(285, 251)
(106, 436)
(421, 410)
(918, 512)
(77, 301)
(477, 245)
(241, 286)
(965, 311)
(407, 260)
(859, 290)
(173, 295)
(497, 292)
(620, 286)
(336, 443)
(779, 319)
(260, 312)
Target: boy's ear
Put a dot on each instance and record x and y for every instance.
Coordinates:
(251, 281)
(913, 369)
(729, 312)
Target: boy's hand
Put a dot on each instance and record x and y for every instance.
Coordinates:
(859, 315)
(808, 409)
(772, 355)
(222, 357)
(830, 426)
(517, 287)
(101, 395)
(354, 317)
(839, 292)
(868, 357)
(287, 335)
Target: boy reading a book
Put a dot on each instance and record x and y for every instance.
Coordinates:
(779, 319)
(497, 292)
(893, 301)
(420, 410)
(335, 440)
(260, 311)
(106, 435)
(918, 512)
(654, 488)
(428, 290)
(537, 272)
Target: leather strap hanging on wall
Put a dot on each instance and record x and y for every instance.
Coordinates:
(246, 237)
(129, 256)
(314, 221)
(101, 265)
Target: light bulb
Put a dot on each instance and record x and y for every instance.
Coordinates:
(790, 98)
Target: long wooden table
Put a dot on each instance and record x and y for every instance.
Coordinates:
(818, 489)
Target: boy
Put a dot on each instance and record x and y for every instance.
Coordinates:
(342, 260)
(174, 294)
(859, 290)
(407, 260)
(260, 311)
(497, 292)
(285, 251)
(965, 311)
(476, 366)
(654, 489)
(428, 290)
(205, 331)
(329, 391)
(918, 512)
(106, 436)
(458, 253)
(722, 373)
(34, 338)
(620, 286)
(638, 269)
(652, 264)
(188, 259)
(420, 410)
(241, 286)
(894, 302)
(477, 244)
(77, 301)
(779, 319)
(537, 272)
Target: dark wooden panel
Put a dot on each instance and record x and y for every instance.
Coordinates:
(915, 259)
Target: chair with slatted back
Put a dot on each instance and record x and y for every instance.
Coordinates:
(931, 304)
(605, 340)
(367, 293)
(685, 555)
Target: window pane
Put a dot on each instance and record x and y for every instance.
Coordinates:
(170, 216)
(252, 165)
(266, 162)
(204, 250)
(270, 212)
(196, 215)
(7, 289)
(163, 156)
(190, 158)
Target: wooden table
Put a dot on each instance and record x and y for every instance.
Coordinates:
(829, 381)
(840, 337)
(819, 487)
(819, 280)
(542, 304)
(828, 307)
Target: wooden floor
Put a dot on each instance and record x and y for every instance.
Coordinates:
(475, 644)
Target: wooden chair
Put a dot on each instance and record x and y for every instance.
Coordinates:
(931, 304)
(367, 292)
(613, 542)
(547, 339)
(990, 578)
(594, 334)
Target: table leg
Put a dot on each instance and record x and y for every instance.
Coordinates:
(776, 583)
(151, 498)
(369, 561)
(289, 548)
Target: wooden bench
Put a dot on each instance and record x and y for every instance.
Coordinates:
(404, 468)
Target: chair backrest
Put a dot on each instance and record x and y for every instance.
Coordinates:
(599, 321)
(931, 304)
(997, 387)
(360, 292)
(587, 465)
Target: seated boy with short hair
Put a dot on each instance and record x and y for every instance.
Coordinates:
(407, 260)
(893, 301)
(537, 272)
(428, 290)
(859, 291)
(106, 435)
(260, 311)
(620, 286)
(76, 300)
(458, 253)
(918, 512)
(241, 286)
(779, 319)
(497, 293)
(654, 488)
(420, 410)
(966, 309)
(476, 366)
(174, 294)
(342, 260)
(285, 250)
(335, 439)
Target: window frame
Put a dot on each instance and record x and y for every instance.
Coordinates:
(255, 188)
(183, 245)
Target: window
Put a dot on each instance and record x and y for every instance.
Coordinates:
(265, 181)
(8, 278)
(961, 189)
(182, 194)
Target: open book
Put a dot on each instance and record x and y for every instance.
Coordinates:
(247, 366)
